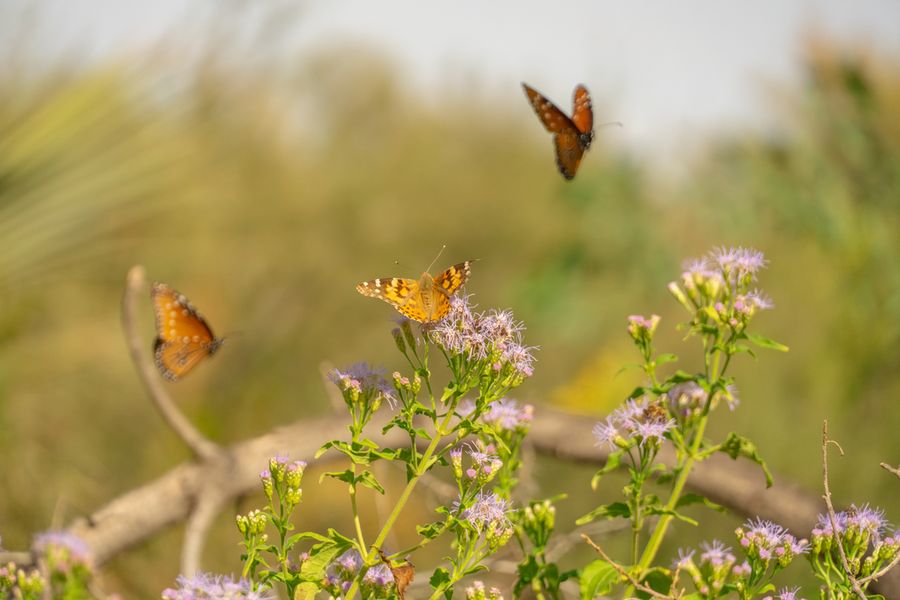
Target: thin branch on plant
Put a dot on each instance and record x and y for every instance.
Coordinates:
(621, 570)
(560, 546)
(881, 572)
(199, 445)
(831, 516)
(887, 467)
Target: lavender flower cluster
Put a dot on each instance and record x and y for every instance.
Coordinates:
(340, 574)
(719, 284)
(635, 423)
(493, 336)
(210, 586)
(768, 548)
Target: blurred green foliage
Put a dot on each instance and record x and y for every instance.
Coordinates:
(266, 198)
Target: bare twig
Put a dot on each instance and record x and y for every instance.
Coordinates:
(198, 525)
(621, 570)
(881, 572)
(889, 468)
(831, 516)
(199, 445)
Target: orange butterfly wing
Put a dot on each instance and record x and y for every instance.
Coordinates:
(183, 336)
(554, 120)
(582, 110)
(568, 154)
(571, 136)
(415, 301)
(445, 285)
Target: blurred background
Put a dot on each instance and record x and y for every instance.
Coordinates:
(262, 158)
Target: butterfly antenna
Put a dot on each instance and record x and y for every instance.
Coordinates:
(616, 123)
(231, 334)
(428, 270)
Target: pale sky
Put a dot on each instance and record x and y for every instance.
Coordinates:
(665, 69)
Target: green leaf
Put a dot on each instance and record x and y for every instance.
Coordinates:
(346, 476)
(526, 572)
(737, 445)
(597, 579)
(690, 498)
(682, 377)
(658, 581)
(432, 530)
(665, 358)
(612, 462)
(439, 579)
(320, 556)
(367, 479)
(606, 511)
(661, 510)
(306, 591)
(764, 342)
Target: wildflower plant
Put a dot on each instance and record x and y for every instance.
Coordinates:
(863, 533)
(468, 427)
(63, 569)
(719, 294)
(766, 549)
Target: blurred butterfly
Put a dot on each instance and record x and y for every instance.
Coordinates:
(183, 336)
(426, 300)
(571, 137)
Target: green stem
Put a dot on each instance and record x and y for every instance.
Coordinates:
(356, 522)
(660, 530)
(401, 502)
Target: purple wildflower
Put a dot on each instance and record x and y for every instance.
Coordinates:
(505, 414)
(362, 379)
(379, 576)
(737, 264)
(635, 420)
(640, 327)
(865, 519)
(488, 509)
(760, 300)
(210, 586)
(76, 547)
(716, 553)
(785, 594)
(494, 335)
(685, 559)
(606, 433)
(742, 570)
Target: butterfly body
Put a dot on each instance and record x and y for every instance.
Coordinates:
(426, 300)
(183, 337)
(572, 136)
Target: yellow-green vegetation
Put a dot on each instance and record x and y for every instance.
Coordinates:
(266, 202)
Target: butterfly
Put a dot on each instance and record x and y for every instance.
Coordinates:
(426, 300)
(403, 574)
(571, 137)
(183, 337)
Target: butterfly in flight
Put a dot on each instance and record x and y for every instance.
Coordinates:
(426, 300)
(571, 137)
(183, 338)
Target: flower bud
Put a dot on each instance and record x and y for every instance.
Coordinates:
(398, 339)
(406, 328)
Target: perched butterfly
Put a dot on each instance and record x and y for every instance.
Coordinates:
(571, 137)
(183, 336)
(403, 574)
(426, 300)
